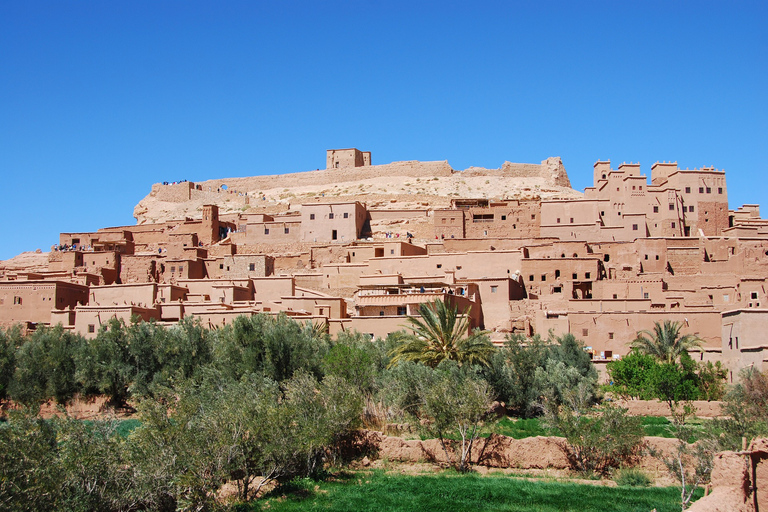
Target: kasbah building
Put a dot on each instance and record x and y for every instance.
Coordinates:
(340, 248)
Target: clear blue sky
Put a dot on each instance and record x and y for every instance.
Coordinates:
(101, 99)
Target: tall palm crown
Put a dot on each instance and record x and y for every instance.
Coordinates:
(440, 333)
(665, 342)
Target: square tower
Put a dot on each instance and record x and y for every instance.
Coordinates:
(352, 157)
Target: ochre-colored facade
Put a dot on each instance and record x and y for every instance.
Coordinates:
(628, 253)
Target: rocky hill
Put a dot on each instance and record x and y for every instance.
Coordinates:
(398, 185)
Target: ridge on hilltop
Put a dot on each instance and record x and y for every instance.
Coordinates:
(396, 185)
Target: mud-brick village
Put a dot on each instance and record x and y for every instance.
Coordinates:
(359, 247)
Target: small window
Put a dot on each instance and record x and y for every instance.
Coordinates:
(690, 208)
(311, 216)
(634, 227)
(221, 266)
(671, 206)
(575, 276)
(533, 216)
(557, 274)
(585, 332)
(251, 267)
(346, 215)
(494, 289)
(330, 215)
(602, 214)
(615, 296)
(645, 295)
(381, 313)
(610, 335)
(557, 289)
(266, 231)
(17, 300)
(709, 190)
(334, 235)
(606, 257)
(701, 190)
(439, 265)
(719, 190)
(673, 225)
(754, 295)
(286, 230)
(558, 220)
(392, 251)
(587, 275)
(543, 277)
(91, 328)
(655, 209)
(685, 209)
(571, 220)
(181, 268)
(503, 217)
(646, 256)
(657, 257)
(530, 277)
(726, 297)
(173, 268)
(687, 190)
(402, 310)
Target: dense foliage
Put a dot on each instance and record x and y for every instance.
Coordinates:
(646, 377)
(527, 373)
(267, 399)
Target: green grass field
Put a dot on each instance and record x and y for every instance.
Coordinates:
(657, 426)
(377, 490)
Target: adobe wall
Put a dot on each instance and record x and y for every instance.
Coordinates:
(712, 218)
(495, 263)
(703, 408)
(139, 269)
(33, 301)
(596, 327)
(313, 281)
(241, 266)
(318, 178)
(115, 295)
(89, 318)
(397, 214)
(329, 254)
(291, 262)
(272, 288)
(551, 169)
(173, 192)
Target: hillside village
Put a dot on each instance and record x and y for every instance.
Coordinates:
(357, 246)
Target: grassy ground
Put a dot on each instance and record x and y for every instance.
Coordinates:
(657, 426)
(377, 490)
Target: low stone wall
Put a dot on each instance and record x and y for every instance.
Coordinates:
(704, 409)
(498, 451)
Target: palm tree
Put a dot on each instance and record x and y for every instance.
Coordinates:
(665, 342)
(440, 333)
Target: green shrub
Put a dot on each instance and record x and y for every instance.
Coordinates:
(600, 439)
(631, 477)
